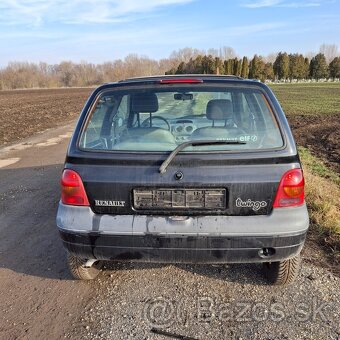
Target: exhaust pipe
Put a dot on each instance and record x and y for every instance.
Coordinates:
(267, 252)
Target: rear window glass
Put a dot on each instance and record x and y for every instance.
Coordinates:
(161, 118)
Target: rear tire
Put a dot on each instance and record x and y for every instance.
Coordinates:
(79, 271)
(282, 272)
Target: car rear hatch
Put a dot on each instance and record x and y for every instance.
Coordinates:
(222, 181)
(189, 187)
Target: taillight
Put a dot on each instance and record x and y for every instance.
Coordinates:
(72, 189)
(291, 191)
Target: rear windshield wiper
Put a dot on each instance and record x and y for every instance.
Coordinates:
(162, 168)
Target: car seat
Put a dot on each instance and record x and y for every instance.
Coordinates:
(146, 103)
(219, 110)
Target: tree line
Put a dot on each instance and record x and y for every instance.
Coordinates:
(286, 67)
(281, 66)
(18, 75)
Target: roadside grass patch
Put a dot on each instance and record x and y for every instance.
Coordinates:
(317, 167)
(323, 201)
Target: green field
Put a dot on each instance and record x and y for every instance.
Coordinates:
(308, 98)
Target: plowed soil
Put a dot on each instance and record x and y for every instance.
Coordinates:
(320, 134)
(25, 112)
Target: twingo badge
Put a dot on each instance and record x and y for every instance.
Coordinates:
(100, 203)
(255, 205)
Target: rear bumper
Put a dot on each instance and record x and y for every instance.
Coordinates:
(209, 239)
(185, 249)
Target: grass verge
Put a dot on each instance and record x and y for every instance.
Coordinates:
(323, 201)
(317, 167)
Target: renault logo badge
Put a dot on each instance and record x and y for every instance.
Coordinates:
(179, 175)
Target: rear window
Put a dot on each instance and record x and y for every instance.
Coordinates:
(160, 118)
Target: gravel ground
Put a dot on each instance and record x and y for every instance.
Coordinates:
(39, 300)
(144, 301)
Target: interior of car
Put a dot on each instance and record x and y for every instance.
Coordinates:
(160, 121)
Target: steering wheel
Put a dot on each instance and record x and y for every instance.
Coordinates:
(146, 122)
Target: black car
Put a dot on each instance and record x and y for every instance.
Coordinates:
(191, 169)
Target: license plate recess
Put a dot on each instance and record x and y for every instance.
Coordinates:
(208, 199)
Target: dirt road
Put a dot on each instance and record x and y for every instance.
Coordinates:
(39, 300)
(37, 296)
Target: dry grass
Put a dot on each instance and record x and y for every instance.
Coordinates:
(323, 200)
(317, 166)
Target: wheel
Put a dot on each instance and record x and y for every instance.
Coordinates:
(282, 272)
(79, 271)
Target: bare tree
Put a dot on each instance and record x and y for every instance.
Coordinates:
(185, 54)
(310, 54)
(227, 52)
(271, 57)
(66, 73)
(213, 52)
(330, 51)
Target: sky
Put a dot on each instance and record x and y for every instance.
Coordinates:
(105, 30)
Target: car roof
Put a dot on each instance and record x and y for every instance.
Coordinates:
(207, 78)
(204, 77)
(182, 76)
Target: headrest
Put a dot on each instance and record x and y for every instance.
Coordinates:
(219, 109)
(144, 102)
